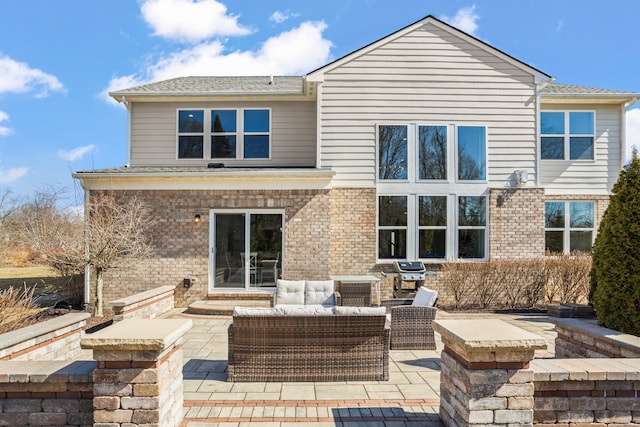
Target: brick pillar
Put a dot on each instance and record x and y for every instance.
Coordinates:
(485, 377)
(138, 379)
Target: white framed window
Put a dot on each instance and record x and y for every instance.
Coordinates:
(569, 226)
(190, 134)
(432, 228)
(427, 153)
(567, 135)
(242, 133)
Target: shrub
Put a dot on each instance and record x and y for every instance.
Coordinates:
(567, 277)
(17, 309)
(615, 277)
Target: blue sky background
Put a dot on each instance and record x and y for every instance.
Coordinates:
(58, 59)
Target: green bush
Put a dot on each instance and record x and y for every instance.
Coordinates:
(615, 276)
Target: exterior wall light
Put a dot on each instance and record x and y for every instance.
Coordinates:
(197, 218)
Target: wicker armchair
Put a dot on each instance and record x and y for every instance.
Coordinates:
(411, 326)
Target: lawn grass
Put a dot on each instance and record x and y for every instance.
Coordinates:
(41, 278)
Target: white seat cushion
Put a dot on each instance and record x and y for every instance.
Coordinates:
(362, 311)
(319, 292)
(290, 292)
(305, 310)
(425, 297)
(253, 311)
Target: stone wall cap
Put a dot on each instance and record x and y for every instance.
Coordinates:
(488, 335)
(142, 296)
(26, 333)
(137, 334)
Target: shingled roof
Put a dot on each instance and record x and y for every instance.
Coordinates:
(559, 89)
(215, 85)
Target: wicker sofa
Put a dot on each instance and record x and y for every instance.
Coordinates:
(308, 347)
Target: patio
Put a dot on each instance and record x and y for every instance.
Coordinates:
(409, 398)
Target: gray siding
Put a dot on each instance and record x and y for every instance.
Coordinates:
(591, 176)
(154, 136)
(427, 76)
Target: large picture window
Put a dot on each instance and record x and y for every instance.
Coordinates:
(432, 152)
(569, 226)
(232, 133)
(424, 227)
(472, 226)
(392, 227)
(472, 152)
(393, 153)
(432, 226)
(567, 135)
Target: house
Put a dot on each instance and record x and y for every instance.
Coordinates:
(427, 144)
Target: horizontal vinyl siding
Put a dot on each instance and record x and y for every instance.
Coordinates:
(427, 76)
(293, 134)
(587, 177)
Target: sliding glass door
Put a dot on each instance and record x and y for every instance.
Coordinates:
(246, 249)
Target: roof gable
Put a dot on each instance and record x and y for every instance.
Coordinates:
(317, 75)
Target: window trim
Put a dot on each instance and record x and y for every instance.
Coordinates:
(207, 134)
(567, 229)
(566, 136)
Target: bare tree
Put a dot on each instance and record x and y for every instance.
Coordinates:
(113, 234)
(117, 234)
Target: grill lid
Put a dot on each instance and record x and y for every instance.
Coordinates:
(409, 266)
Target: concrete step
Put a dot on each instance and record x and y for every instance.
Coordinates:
(223, 303)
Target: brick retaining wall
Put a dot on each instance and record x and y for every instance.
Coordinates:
(586, 392)
(581, 338)
(144, 305)
(44, 393)
(55, 339)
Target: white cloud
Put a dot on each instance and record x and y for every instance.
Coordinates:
(279, 17)
(465, 20)
(4, 131)
(291, 52)
(18, 77)
(12, 174)
(76, 153)
(191, 20)
(633, 130)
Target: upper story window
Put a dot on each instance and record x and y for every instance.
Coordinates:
(567, 135)
(435, 150)
(234, 134)
(190, 134)
(569, 226)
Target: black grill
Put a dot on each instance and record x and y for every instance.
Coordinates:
(410, 276)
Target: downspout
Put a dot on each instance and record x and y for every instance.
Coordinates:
(128, 107)
(539, 87)
(319, 125)
(623, 130)
(87, 269)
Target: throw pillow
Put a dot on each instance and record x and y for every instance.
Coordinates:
(290, 292)
(319, 292)
(425, 297)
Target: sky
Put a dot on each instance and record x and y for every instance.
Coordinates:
(59, 59)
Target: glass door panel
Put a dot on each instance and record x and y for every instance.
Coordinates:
(247, 250)
(265, 249)
(229, 250)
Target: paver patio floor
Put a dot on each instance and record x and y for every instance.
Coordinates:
(409, 398)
